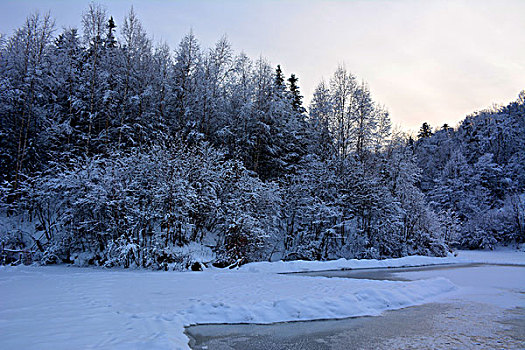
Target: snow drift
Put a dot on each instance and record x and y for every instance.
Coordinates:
(64, 307)
(60, 307)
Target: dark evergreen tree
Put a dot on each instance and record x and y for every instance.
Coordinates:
(424, 131)
(279, 79)
(110, 37)
(297, 103)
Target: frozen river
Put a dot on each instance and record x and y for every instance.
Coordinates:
(487, 312)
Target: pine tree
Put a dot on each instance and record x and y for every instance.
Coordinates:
(297, 102)
(110, 37)
(279, 80)
(424, 131)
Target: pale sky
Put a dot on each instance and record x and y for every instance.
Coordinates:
(426, 61)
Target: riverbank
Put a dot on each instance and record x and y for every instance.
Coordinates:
(500, 255)
(63, 307)
(484, 312)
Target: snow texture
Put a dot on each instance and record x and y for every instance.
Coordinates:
(303, 266)
(62, 307)
(498, 256)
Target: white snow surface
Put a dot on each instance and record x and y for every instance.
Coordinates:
(501, 286)
(60, 307)
(500, 255)
(303, 266)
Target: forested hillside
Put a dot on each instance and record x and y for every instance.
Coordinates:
(118, 151)
(476, 175)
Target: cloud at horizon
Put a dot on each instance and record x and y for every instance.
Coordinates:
(426, 61)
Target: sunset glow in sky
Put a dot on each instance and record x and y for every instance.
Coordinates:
(433, 61)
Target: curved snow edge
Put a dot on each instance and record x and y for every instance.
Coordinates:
(303, 266)
(368, 301)
(499, 256)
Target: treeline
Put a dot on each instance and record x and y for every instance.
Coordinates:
(117, 151)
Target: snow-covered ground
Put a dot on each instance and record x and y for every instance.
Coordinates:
(502, 255)
(483, 313)
(62, 307)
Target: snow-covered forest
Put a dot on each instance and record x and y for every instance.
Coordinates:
(119, 151)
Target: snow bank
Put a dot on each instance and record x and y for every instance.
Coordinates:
(65, 308)
(498, 256)
(60, 307)
(303, 266)
(498, 285)
(344, 300)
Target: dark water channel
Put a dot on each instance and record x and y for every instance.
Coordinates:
(455, 324)
(388, 274)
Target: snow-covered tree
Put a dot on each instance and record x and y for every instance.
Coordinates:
(115, 150)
